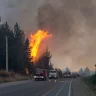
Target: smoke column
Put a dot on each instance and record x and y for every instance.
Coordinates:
(72, 23)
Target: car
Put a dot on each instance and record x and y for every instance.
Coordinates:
(75, 75)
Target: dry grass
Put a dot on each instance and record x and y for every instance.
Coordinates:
(11, 76)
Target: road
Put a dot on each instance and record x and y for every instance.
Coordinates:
(62, 87)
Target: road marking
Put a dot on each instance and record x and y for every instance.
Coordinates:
(43, 91)
(49, 80)
(63, 81)
(50, 90)
(60, 89)
(69, 93)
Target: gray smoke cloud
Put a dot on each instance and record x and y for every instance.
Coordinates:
(22, 11)
(72, 23)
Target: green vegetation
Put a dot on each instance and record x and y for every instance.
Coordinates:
(91, 81)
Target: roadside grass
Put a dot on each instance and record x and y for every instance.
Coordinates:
(11, 77)
(91, 82)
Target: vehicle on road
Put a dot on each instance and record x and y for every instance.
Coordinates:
(53, 74)
(40, 74)
(75, 75)
(67, 75)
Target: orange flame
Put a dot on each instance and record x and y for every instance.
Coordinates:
(36, 40)
(26, 70)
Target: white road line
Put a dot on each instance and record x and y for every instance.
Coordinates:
(69, 93)
(63, 81)
(60, 89)
(50, 90)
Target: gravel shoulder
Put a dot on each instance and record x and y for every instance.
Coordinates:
(79, 88)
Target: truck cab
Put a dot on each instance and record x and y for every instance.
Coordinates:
(40, 74)
(53, 74)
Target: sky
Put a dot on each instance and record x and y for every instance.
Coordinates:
(72, 23)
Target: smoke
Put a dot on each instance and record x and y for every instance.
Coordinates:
(22, 11)
(72, 23)
(73, 26)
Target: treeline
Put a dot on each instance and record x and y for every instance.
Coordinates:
(19, 59)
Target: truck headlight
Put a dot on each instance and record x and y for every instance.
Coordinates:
(35, 76)
(42, 77)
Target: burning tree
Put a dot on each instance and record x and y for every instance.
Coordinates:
(36, 40)
(41, 60)
(44, 60)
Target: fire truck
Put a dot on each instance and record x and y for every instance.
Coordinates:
(41, 74)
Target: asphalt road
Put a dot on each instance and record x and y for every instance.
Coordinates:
(61, 87)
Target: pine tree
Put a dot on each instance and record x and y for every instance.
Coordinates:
(44, 60)
(81, 72)
(87, 71)
(5, 30)
(59, 71)
(19, 48)
(67, 69)
(27, 57)
(51, 66)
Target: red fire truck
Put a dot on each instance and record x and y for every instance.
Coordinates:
(41, 74)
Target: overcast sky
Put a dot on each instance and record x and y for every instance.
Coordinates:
(72, 23)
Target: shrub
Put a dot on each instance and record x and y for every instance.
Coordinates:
(93, 79)
(4, 73)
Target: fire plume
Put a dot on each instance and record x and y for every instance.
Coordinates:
(35, 41)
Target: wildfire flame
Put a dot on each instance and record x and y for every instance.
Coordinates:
(36, 39)
(26, 70)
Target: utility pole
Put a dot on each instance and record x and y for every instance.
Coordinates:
(7, 53)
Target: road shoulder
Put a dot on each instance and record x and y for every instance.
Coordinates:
(13, 83)
(79, 88)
